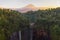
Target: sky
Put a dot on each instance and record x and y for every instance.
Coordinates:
(22, 3)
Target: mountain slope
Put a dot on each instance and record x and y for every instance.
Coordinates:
(30, 7)
(27, 8)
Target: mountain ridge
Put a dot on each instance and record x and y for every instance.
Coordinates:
(31, 7)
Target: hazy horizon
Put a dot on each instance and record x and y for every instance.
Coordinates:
(22, 3)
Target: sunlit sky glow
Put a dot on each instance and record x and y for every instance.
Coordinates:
(22, 3)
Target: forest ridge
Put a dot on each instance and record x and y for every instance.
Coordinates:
(12, 21)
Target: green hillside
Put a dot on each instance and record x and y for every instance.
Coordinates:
(11, 21)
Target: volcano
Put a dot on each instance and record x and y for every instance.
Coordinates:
(27, 8)
(30, 7)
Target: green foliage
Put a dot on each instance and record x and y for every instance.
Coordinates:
(47, 19)
(11, 21)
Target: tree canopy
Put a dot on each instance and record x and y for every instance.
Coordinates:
(11, 21)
